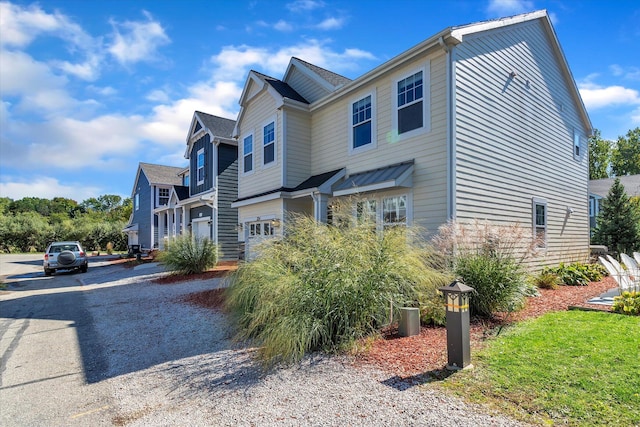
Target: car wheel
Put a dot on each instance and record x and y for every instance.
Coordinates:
(66, 258)
(48, 272)
(84, 268)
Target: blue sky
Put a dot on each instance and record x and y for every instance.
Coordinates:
(91, 88)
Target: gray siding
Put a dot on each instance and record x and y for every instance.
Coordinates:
(143, 216)
(514, 138)
(227, 193)
(194, 188)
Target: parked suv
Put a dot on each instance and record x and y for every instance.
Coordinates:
(65, 256)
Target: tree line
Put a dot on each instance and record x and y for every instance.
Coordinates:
(618, 223)
(31, 223)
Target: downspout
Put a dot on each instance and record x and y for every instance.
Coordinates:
(450, 140)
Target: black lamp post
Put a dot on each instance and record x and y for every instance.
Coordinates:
(456, 296)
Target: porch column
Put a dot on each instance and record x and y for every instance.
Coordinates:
(161, 230)
(320, 205)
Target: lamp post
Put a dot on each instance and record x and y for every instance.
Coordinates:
(456, 296)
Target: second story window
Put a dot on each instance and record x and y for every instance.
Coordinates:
(410, 103)
(185, 180)
(269, 144)
(247, 153)
(163, 196)
(136, 201)
(200, 165)
(361, 123)
(576, 145)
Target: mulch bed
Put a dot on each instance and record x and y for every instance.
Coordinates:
(222, 269)
(425, 355)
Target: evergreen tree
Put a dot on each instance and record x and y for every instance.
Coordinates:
(618, 223)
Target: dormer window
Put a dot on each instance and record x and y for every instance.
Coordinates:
(200, 165)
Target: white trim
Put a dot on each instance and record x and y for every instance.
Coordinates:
(451, 133)
(535, 201)
(302, 68)
(374, 135)
(426, 101)
(204, 166)
(254, 200)
(577, 145)
(272, 119)
(253, 154)
(283, 168)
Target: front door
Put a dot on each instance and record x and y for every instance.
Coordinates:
(202, 229)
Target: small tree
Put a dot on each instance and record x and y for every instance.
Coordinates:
(600, 152)
(618, 223)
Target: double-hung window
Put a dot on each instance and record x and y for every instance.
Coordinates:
(410, 102)
(200, 166)
(247, 153)
(362, 123)
(576, 145)
(269, 144)
(394, 211)
(366, 211)
(163, 196)
(185, 180)
(540, 222)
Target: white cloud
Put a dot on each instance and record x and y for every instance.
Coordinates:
(44, 187)
(158, 96)
(302, 6)
(509, 7)
(629, 73)
(331, 24)
(283, 26)
(135, 41)
(596, 96)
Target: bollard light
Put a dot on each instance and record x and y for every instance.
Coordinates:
(456, 297)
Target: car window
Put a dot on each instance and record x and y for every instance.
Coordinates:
(56, 249)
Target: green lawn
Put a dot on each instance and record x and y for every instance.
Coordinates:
(570, 368)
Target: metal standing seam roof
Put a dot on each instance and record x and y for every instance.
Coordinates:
(372, 177)
(219, 126)
(160, 174)
(601, 187)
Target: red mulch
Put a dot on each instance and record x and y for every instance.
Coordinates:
(426, 354)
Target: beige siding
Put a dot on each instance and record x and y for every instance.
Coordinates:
(305, 86)
(303, 206)
(266, 210)
(298, 146)
(514, 138)
(330, 136)
(257, 114)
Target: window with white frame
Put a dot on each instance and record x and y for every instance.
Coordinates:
(261, 228)
(200, 166)
(136, 201)
(592, 207)
(540, 222)
(366, 211)
(410, 103)
(247, 153)
(269, 144)
(577, 153)
(394, 211)
(362, 123)
(185, 180)
(163, 196)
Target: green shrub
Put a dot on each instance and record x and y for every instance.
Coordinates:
(322, 287)
(547, 280)
(490, 258)
(577, 274)
(627, 303)
(189, 255)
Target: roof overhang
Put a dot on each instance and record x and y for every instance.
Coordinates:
(400, 175)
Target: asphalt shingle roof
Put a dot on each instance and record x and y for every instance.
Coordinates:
(601, 187)
(160, 174)
(333, 78)
(219, 126)
(282, 88)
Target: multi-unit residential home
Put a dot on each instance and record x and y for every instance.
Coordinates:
(201, 203)
(481, 121)
(151, 190)
(599, 189)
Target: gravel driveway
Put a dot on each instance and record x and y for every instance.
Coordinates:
(164, 363)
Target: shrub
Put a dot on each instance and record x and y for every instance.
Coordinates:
(547, 280)
(323, 287)
(109, 248)
(189, 255)
(577, 274)
(627, 303)
(489, 258)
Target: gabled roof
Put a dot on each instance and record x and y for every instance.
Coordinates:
(160, 174)
(281, 87)
(600, 187)
(219, 128)
(182, 192)
(334, 80)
